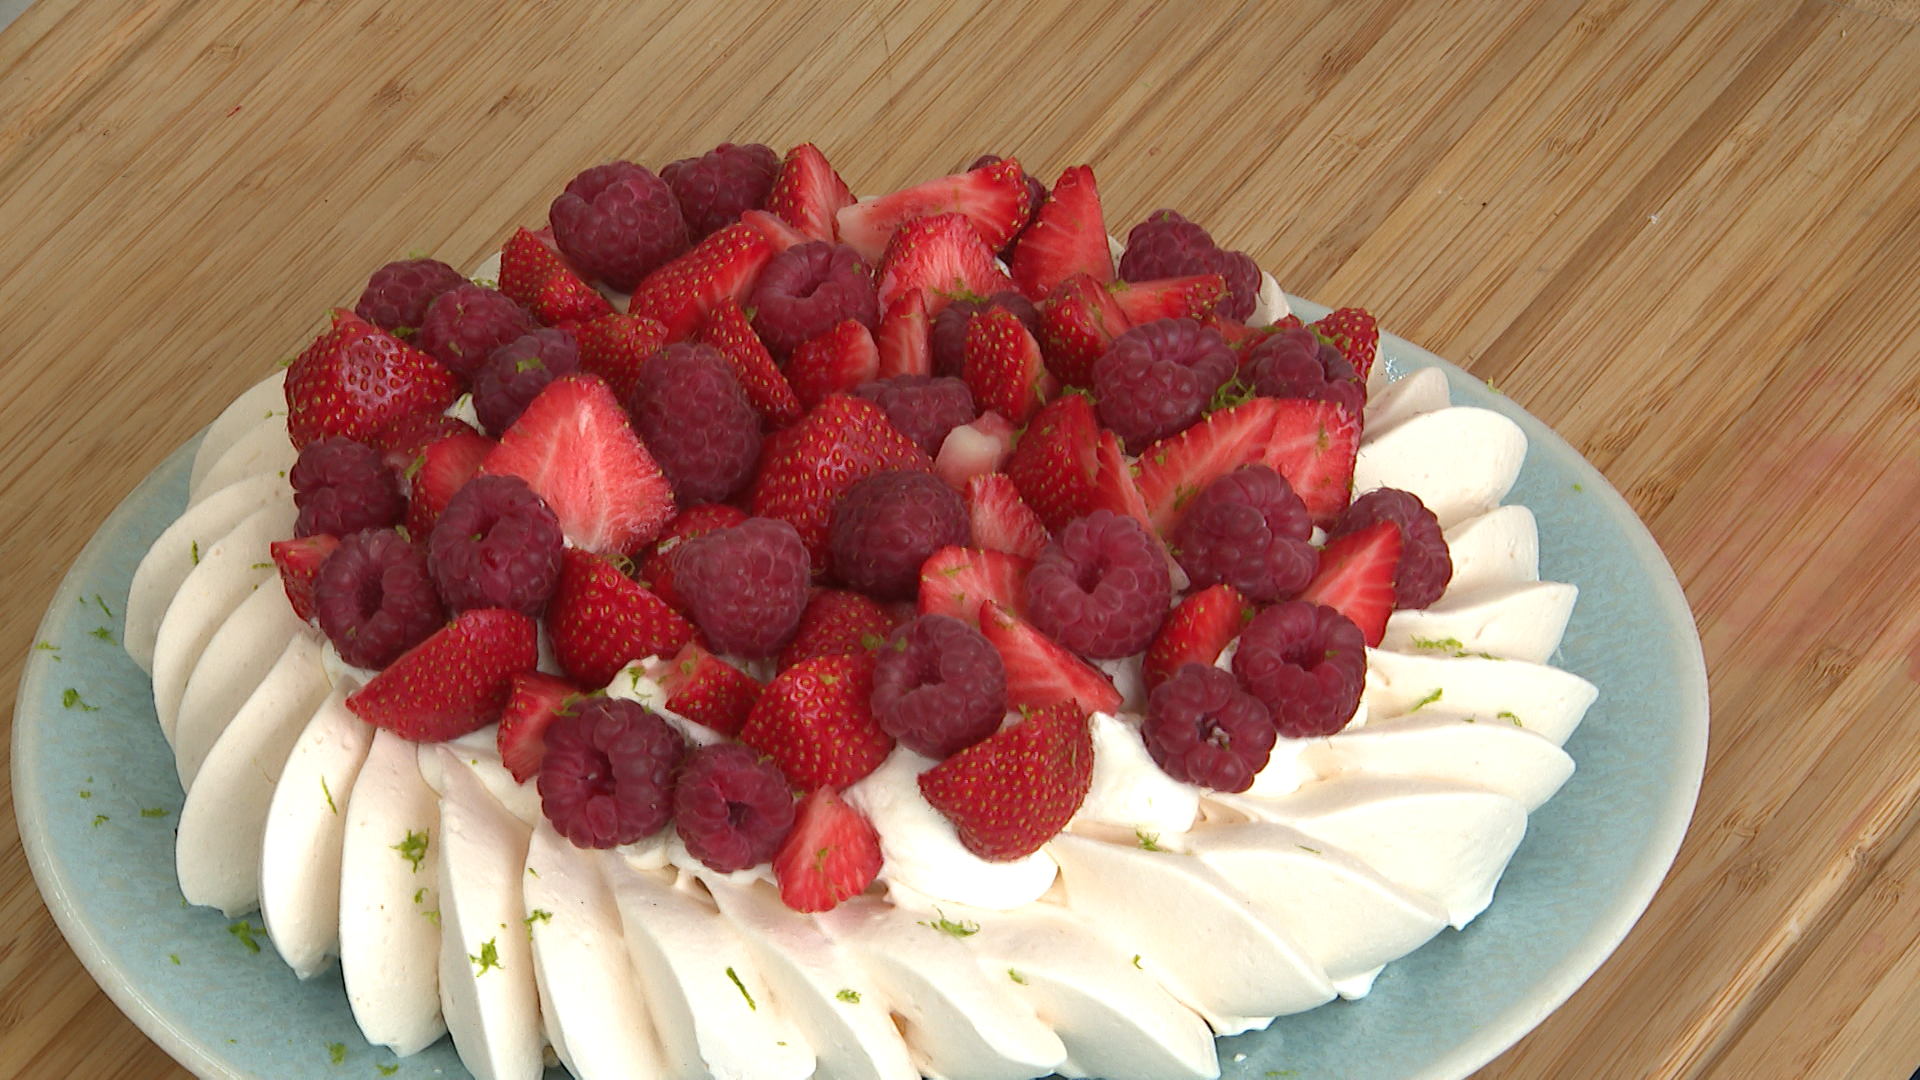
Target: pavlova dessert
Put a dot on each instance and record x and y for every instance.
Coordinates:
(759, 633)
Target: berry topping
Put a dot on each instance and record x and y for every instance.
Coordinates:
(1249, 530)
(374, 598)
(803, 474)
(617, 222)
(808, 193)
(401, 442)
(1157, 378)
(1356, 575)
(1002, 366)
(728, 330)
(536, 701)
(921, 407)
(805, 290)
(534, 275)
(496, 545)
(746, 586)
(615, 347)
(1101, 588)
(707, 690)
(515, 374)
(656, 567)
(1295, 364)
(835, 362)
(397, 295)
(456, 681)
(1197, 632)
(466, 323)
(903, 337)
(1313, 444)
(1077, 323)
(949, 333)
(1001, 521)
(356, 379)
(1068, 236)
(816, 722)
(437, 472)
(832, 853)
(1039, 671)
(731, 808)
(992, 200)
(715, 188)
(1036, 194)
(1017, 789)
(299, 562)
(724, 266)
(697, 422)
(1307, 663)
(599, 620)
(1055, 464)
(887, 525)
(608, 774)
(942, 257)
(1191, 297)
(341, 487)
(1355, 333)
(939, 686)
(957, 580)
(1201, 728)
(838, 623)
(1168, 245)
(1426, 566)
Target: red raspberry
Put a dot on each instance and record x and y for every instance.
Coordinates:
(1168, 245)
(497, 544)
(516, 373)
(949, 335)
(807, 290)
(398, 294)
(887, 525)
(745, 586)
(1307, 663)
(923, 407)
(697, 422)
(341, 486)
(1201, 728)
(939, 687)
(656, 566)
(608, 776)
(732, 808)
(716, 188)
(1426, 566)
(1295, 364)
(1101, 588)
(1249, 530)
(374, 598)
(1157, 378)
(464, 325)
(617, 222)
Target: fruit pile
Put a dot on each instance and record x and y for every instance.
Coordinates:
(922, 462)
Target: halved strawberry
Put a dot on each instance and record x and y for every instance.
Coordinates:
(1114, 485)
(1355, 333)
(1313, 444)
(1068, 236)
(707, 690)
(1180, 466)
(1003, 366)
(599, 620)
(975, 449)
(574, 448)
(831, 853)
(808, 193)
(533, 273)
(438, 471)
(356, 379)
(684, 292)
(1356, 577)
(1039, 670)
(400, 442)
(905, 337)
(536, 701)
(1191, 297)
(299, 561)
(614, 346)
(1001, 520)
(838, 623)
(1016, 790)
(992, 199)
(1055, 463)
(456, 681)
(956, 581)
(804, 472)
(778, 233)
(728, 329)
(815, 722)
(838, 360)
(1195, 632)
(941, 256)
(656, 566)
(1078, 321)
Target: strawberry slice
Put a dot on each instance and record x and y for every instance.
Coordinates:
(1078, 321)
(1313, 444)
(456, 681)
(1180, 466)
(975, 449)
(356, 379)
(707, 690)
(1055, 463)
(941, 256)
(614, 346)
(815, 722)
(536, 701)
(1196, 632)
(1191, 297)
(1068, 236)
(992, 199)
(400, 442)
(728, 329)
(1017, 789)
(533, 273)
(778, 233)
(656, 567)
(1356, 577)
(574, 448)
(1114, 485)
(1003, 366)
(831, 853)
(1001, 520)
(905, 337)
(956, 581)
(838, 623)
(299, 561)
(808, 193)
(838, 360)
(438, 471)
(1355, 333)
(724, 266)
(1040, 671)
(804, 472)
(599, 620)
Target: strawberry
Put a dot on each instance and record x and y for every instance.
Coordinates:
(1356, 577)
(356, 379)
(728, 329)
(682, 293)
(438, 471)
(1001, 521)
(456, 681)
(1114, 485)
(1077, 322)
(1241, 336)
(599, 620)
(814, 721)
(707, 690)
(299, 560)
(942, 257)
(975, 449)
(614, 346)
(1003, 366)
(1055, 462)
(1355, 333)
(1313, 445)
(656, 567)
(838, 360)
(956, 581)
(905, 337)
(400, 442)
(1039, 671)
(1190, 297)
(536, 701)
(831, 853)
(1195, 633)
(1017, 789)
(1180, 466)
(778, 233)
(992, 199)
(838, 623)
(535, 275)
(808, 193)
(804, 472)
(574, 448)
(1068, 236)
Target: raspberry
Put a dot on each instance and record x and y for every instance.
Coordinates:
(374, 598)
(1307, 663)
(341, 487)
(1201, 728)
(497, 544)
(808, 289)
(608, 775)
(1249, 530)
(885, 526)
(516, 373)
(745, 586)
(465, 324)
(1295, 364)
(397, 296)
(716, 188)
(1426, 566)
(1157, 378)
(617, 222)
(1036, 194)
(1168, 245)
(940, 686)
(1101, 588)
(731, 807)
(696, 421)
(923, 407)
(949, 335)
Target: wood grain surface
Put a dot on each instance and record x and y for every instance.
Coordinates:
(1685, 234)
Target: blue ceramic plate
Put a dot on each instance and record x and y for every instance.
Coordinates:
(97, 798)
